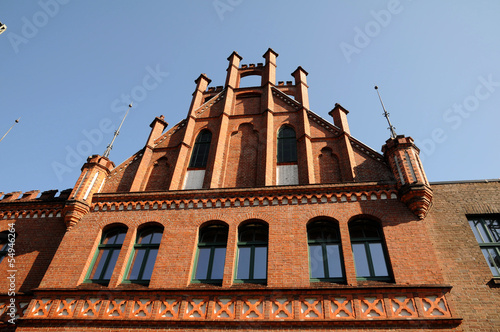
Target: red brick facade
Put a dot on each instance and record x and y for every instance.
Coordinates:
(436, 277)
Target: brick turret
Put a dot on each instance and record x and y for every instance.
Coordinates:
(402, 155)
(91, 180)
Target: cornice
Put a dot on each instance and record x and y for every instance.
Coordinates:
(244, 197)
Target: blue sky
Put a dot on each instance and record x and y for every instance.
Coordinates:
(69, 68)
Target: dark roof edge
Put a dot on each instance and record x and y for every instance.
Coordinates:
(464, 181)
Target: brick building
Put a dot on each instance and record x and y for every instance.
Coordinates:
(254, 213)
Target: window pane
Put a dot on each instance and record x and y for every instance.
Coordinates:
(361, 261)
(378, 259)
(150, 264)
(208, 236)
(218, 263)
(99, 264)
(315, 234)
(243, 263)
(483, 234)
(261, 234)
(111, 266)
(494, 228)
(119, 238)
(334, 266)
(156, 238)
(246, 235)
(316, 259)
(356, 231)
(201, 148)
(371, 230)
(260, 264)
(202, 268)
(287, 145)
(473, 225)
(493, 259)
(146, 238)
(221, 235)
(136, 264)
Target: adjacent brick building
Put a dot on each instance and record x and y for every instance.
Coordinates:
(254, 213)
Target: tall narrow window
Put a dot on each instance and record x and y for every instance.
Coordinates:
(4, 247)
(107, 255)
(201, 148)
(145, 252)
(487, 232)
(325, 256)
(252, 253)
(211, 254)
(370, 257)
(287, 145)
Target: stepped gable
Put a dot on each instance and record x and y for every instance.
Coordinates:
(238, 119)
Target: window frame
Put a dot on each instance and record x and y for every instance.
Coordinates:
(366, 241)
(495, 245)
(316, 224)
(283, 141)
(213, 246)
(106, 263)
(252, 245)
(201, 149)
(148, 247)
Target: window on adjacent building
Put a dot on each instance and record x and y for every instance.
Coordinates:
(325, 253)
(368, 247)
(4, 247)
(144, 256)
(252, 253)
(487, 232)
(199, 157)
(211, 254)
(107, 255)
(287, 145)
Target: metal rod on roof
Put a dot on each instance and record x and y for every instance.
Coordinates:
(117, 132)
(391, 127)
(3, 27)
(17, 121)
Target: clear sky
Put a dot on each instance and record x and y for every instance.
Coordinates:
(69, 68)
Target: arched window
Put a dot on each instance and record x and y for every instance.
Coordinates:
(325, 253)
(252, 253)
(368, 247)
(107, 255)
(4, 245)
(287, 145)
(145, 252)
(211, 254)
(199, 157)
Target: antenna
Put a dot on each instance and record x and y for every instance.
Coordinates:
(391, 127)
(117, 132)
(17, 121)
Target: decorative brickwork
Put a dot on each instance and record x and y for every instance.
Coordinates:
(332, 306)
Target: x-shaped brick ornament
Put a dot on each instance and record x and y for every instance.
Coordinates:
(313, 308)
(253, 308)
